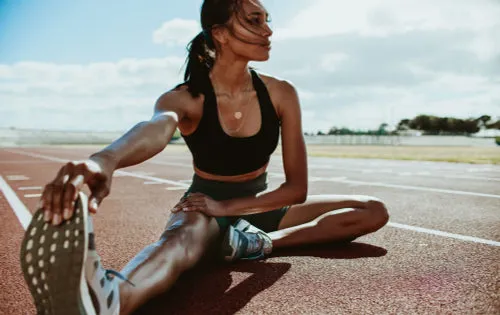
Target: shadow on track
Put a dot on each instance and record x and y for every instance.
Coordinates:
(207, 288)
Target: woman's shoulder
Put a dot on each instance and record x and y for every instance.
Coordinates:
(278, 88)
(178, 99)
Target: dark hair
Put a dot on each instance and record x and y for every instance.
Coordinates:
(201, 57)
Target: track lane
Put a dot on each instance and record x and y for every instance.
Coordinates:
(396, 270)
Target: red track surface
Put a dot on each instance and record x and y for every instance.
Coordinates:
(393, 271)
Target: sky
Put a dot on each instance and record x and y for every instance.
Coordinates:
(101, 65)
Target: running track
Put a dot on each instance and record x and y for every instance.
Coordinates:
(440, 253)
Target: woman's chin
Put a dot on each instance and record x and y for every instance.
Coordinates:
(261, 57)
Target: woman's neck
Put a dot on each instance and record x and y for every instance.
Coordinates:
(230, 77)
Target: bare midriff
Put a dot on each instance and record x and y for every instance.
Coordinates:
(231, 178)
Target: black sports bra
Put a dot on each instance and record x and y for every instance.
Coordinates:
(216, 152)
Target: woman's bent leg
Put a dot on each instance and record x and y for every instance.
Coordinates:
(154, 270)
(326, 218)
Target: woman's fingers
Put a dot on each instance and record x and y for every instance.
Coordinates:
(58, 196)
(51, 196)
(46, 202)
(191, 203)
(99, 192)
(178, 206)
(71, 189)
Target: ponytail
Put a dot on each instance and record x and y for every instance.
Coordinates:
(200, 60)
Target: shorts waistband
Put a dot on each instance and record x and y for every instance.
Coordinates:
(220, 190)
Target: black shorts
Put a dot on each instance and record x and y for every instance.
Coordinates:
(267, 221)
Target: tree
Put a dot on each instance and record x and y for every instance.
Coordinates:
(382, 129)
(404, 124)
(483, 120)
(332, 131)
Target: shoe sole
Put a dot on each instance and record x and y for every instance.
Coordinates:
(52, 260)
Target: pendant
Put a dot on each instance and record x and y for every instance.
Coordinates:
(238, 115)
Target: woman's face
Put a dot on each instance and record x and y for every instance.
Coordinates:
(248, 33)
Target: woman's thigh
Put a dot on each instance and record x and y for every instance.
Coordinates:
(317, 205)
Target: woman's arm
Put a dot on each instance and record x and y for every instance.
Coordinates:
(147, 138)
(294, 189)
(142, 142)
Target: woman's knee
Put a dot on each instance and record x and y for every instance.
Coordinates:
(377, 213)
(188, 235)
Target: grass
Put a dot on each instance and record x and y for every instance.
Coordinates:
(473, 155)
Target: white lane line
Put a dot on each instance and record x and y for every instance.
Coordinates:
(36, 155)
(118, 175)
(30, 188)
(25, 216)
(17, 177)
(356, 183)
(334, 179)
(118, 172)
(144, 173)
(319, 179)
(21, 210)
(375, 170)
(482, 170)
(176, 188)
(32, 195)
(444, 234)
(152, 183)
(445, 191)
(402, 165)
(22, 213)
(310, 179)
(154, 179)
(188, 165)
(405, 173)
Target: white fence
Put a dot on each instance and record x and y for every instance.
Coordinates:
(20, 137)
(401, 140)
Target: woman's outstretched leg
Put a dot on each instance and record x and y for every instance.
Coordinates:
(64, 274)
(187, 237)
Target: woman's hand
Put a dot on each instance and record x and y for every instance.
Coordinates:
(58, 196)
(201, 203)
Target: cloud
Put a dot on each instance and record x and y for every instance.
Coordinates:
(176, 32)
(101, 96)
(356, 64)
(387, 17)
(127, 76)
(365, 62)
(329, 62)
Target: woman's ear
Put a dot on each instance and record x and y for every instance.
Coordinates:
(220, 34)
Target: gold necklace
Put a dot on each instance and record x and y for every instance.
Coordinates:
(237, 114)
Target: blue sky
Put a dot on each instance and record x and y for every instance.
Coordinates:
(85, 31)
(100, 65)
(82, 31)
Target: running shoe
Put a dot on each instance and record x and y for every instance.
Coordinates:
(57, 262)
(244, 241)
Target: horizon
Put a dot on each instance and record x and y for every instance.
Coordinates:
(356, 65)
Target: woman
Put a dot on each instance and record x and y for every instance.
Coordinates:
(230, 117)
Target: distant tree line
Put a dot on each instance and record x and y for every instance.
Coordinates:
(434, 125)
(429, 125)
